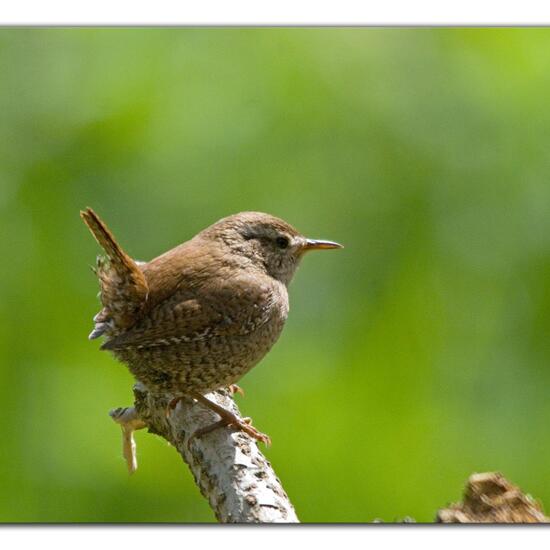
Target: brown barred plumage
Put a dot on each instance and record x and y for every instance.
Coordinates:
(198, 317)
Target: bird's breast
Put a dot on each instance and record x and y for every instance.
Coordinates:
(259, 313)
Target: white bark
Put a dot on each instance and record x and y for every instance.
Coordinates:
(229, 469)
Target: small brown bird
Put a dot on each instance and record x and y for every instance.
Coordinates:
(200, 316)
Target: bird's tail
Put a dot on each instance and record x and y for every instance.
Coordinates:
(106, 240)
(124, 288)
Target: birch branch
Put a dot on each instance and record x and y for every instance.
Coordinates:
(229, 469)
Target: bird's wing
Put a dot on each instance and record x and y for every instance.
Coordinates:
(219, 309)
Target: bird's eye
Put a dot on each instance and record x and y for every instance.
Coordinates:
(281, 242)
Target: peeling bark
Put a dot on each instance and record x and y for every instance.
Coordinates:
(229, 469)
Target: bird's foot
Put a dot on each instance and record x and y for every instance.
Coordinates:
(233, 388)
(228, 419)
(248, 428)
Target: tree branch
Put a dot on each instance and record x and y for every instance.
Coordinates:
(231, 473)
(241, 486)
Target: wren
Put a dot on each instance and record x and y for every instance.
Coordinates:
(200, 316)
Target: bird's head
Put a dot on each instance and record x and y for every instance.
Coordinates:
(266, 242)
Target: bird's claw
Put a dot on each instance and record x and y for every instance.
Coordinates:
(234, 388)
(227, 418)
(255, 434)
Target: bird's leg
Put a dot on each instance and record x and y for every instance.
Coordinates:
(207, 429)
(233, 388)
(173, 403)
(227, 418)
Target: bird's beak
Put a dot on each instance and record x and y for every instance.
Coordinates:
(312, 244)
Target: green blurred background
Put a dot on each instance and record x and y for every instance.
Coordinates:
(411, 359)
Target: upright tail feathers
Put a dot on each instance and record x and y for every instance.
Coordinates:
(123, 285)
(106, 240)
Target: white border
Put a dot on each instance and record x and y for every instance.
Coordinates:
(268, 537)
(280, 12)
